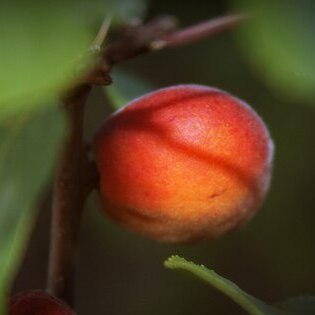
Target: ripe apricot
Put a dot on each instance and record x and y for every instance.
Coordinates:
(184, 163)
(36, 302)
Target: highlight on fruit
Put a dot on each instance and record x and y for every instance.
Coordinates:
(183, 164)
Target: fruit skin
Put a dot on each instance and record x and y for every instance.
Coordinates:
(36, 302)
(183, 164)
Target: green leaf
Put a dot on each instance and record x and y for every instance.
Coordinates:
(43, 46)
(125, 88)
(249, 303)
(28, 147)
(278, 41)
(301, 305)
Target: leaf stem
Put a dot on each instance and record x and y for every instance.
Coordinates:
(102, 33)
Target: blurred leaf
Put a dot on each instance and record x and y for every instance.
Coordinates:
(249, 303)
(28, 146)
(126, 87)
(279, 41)
(43, 46)
(301, 305)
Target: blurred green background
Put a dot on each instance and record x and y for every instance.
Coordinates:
(273, 257)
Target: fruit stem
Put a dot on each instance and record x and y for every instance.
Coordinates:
(69, 193)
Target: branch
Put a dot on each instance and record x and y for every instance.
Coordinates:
(157, 34)
(136, 40)
(199, 31)
(69, 194)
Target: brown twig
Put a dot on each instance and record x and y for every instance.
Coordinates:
(157, 34)
(199, 31)
(70, 190)
(137, 39)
